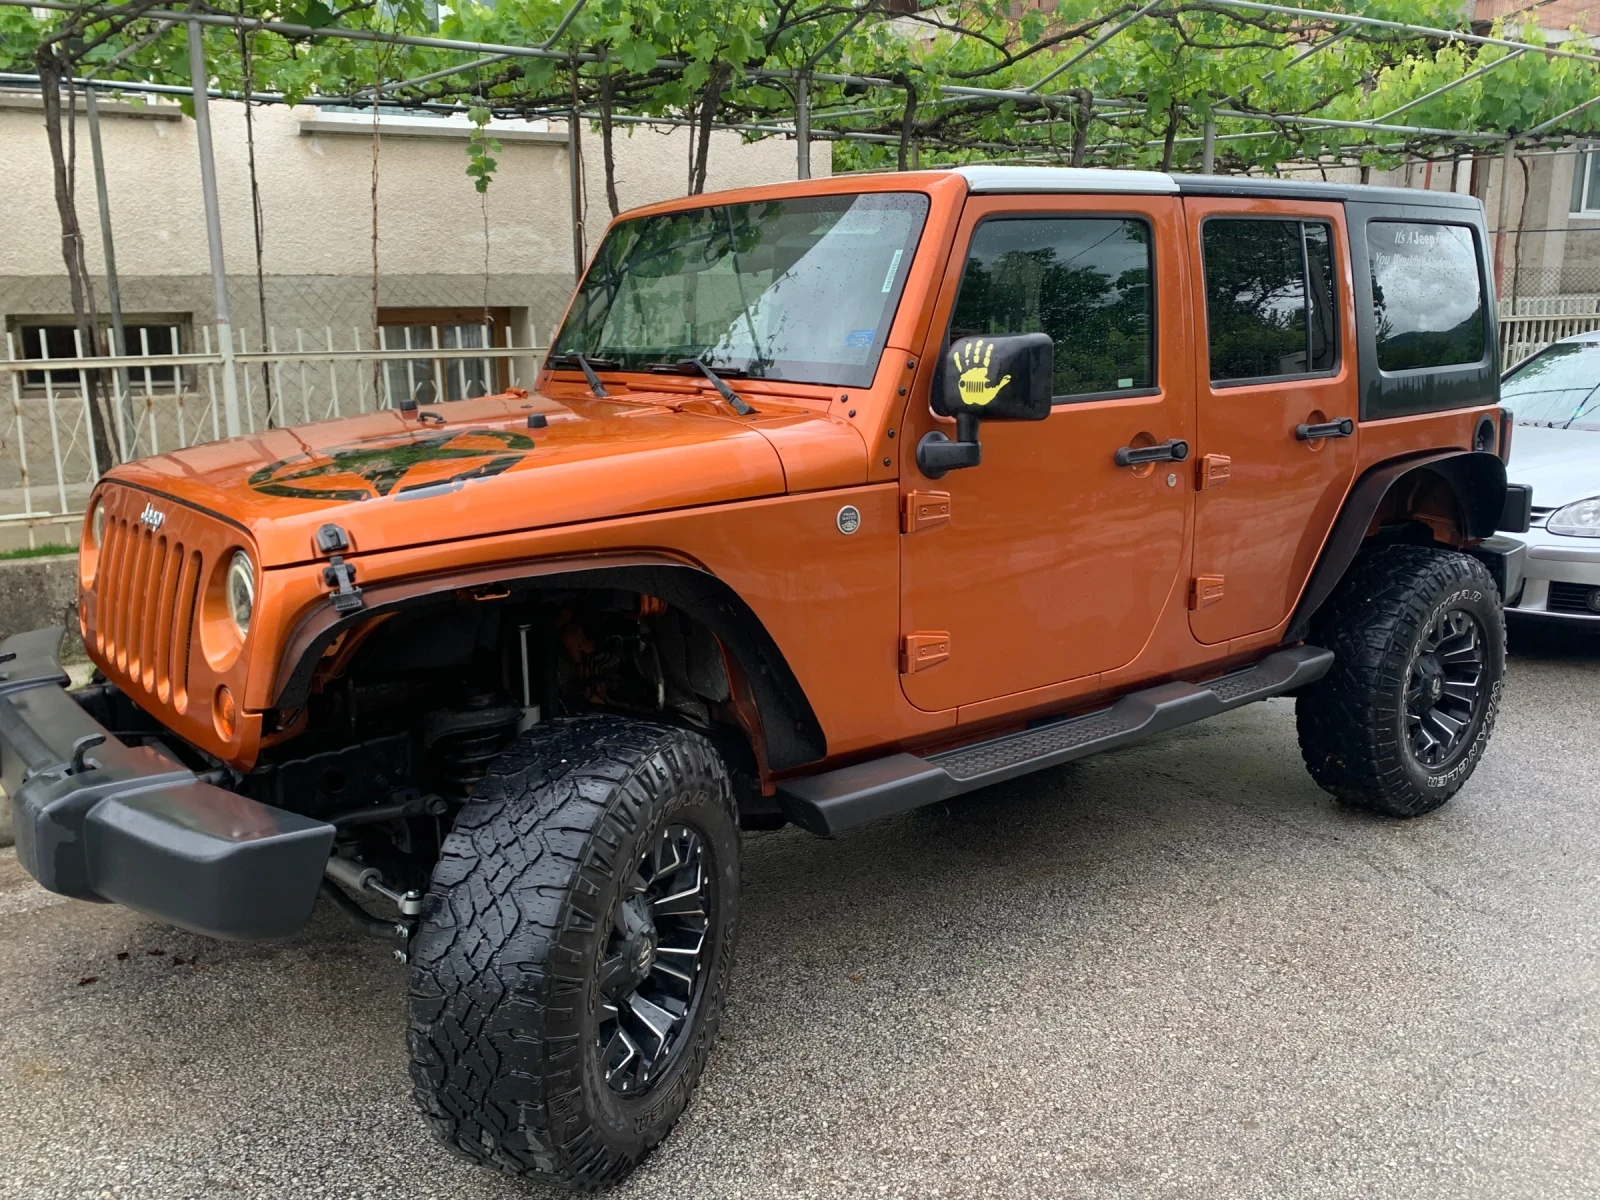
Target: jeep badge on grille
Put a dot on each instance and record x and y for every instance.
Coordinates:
(152, 516)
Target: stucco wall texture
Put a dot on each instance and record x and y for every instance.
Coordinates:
(316, 201)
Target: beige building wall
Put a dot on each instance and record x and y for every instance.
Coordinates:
(315, 174)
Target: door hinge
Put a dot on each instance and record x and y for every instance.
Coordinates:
(919, 651)
(1212, 471)
(1204, 591)
(920, 510)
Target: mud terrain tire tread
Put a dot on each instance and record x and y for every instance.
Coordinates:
(499, 963)
(1349, 722)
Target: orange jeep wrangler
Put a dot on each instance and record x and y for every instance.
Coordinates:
(833, 499)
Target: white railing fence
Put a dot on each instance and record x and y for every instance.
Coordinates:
(1551, 306)
(48, 461)
(1530, 323)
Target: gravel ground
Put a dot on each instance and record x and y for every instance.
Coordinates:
(1178, 970)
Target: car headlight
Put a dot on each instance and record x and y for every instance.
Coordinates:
(1581, 518)
(241, 590)
(97, 525)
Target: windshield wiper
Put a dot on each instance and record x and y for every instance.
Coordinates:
(595, 386)
(723, 390)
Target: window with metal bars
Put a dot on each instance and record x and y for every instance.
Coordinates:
(51, 338)
(451, 378)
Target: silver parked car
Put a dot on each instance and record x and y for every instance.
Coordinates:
(1555, 400)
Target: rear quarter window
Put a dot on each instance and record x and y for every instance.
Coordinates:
(1424, 305)
(1427, 295)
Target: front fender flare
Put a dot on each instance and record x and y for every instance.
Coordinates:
(791, 733)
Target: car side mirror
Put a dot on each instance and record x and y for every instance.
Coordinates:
(1001, 378)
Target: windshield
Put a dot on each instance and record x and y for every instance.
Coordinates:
(800, 289)
(1558, 387)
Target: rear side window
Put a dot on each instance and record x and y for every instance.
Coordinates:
(1427, 295)
(1085, 281)
(1270, 299)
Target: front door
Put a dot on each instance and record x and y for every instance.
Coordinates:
(1277, 404)
(1048, 562)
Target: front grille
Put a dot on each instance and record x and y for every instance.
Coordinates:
(146, 589)
(1571, 597)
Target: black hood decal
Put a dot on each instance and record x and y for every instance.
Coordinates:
(372, 469)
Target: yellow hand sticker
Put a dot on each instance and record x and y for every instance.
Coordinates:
(974, 373)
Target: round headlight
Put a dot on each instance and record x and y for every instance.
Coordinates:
(241, 588)
(1578, 519)
(97, 524)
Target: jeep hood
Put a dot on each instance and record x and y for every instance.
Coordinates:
(475, 468)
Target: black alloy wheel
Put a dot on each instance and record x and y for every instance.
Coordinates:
(1401, 720)
(575, 948)
(653, 974)
(1444, 688)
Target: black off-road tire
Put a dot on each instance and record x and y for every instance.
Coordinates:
(506, 961)
(1354, 732)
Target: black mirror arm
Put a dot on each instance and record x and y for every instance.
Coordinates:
(937, 454)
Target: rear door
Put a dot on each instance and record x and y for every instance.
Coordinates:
(1048, 561)
(1278, 411)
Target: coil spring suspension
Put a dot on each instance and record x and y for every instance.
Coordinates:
(460, 743)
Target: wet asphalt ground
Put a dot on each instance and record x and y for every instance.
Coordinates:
(1178, 970)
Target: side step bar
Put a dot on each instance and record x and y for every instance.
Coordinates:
(837, 800)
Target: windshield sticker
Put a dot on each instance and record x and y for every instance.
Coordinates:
(377, 468)
(894, 265)
(859, 337)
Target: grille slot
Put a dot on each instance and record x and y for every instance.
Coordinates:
(148, 632)
(1571, 597)
(166, 633)
(188, 597)
(107, 586)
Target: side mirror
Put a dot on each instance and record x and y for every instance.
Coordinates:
(1002, 378)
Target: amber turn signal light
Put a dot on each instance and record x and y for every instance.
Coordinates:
(225, 714)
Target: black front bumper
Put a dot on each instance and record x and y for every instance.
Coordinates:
(135, 827)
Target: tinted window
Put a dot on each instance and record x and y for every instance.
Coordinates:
(1083, 280)
(1427, 295)
(1559, 386)
(1269, 298)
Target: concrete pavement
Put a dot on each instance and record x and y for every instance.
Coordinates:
(1179, 970)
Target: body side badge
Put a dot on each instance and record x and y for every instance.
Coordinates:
(849, 519)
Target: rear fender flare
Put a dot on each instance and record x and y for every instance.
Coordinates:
(1476, 479)
(791, 734)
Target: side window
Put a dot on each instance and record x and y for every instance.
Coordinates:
(1427, 295)
(1271, 308)
(1086, 281)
